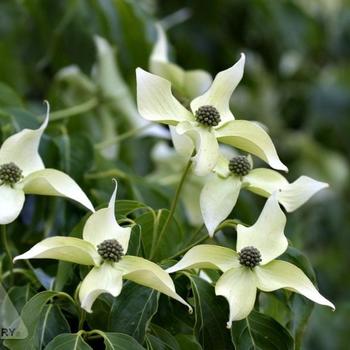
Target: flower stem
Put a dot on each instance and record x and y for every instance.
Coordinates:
(121, 137)
(82, 319)
(199, 241)
(174, 203)
(7, 250)
(75, 110)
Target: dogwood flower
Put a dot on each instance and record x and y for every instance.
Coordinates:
(103, 246)
(230, 177)
(22, 171)
(254, 265)
(210, 119)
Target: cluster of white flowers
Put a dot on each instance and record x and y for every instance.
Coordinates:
(197, 110)
(176, 97)
(22, 171)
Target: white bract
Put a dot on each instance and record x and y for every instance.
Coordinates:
(107, 275)
(186, 84)
(22, 171)
(209, 120)
(243, 275)
(226, 185)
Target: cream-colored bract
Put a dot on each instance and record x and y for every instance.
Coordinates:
(238, 284)
(187, 84)
(226, 186)
(22, 149)
(105, 276)
(156, 103)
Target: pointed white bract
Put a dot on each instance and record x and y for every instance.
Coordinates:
(293, 195)
(225, 185)
(188, 84)
(156, 102)
(241, 279)
(102, 229)
(20, 152)
(219, 93)
(217, 199)
(103, 226)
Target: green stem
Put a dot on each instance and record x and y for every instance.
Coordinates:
(121, 137)
(82, 319)
(7, 250)
(232, 223)
(199, 241)
(71, 111)
(174, 203)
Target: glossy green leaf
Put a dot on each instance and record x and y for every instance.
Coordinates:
(260, 331)
(154, 343)
(158, 244)
(188, 342)
(127, 207)
(135, 242)
(52, 322)
(20, 295)
(132, 311)
(119, 341)
(161, 338)
(211, 315)
(68, 341)
(302, 307)
(31, 316)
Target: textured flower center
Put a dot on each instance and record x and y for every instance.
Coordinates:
(111, 250)
(208, 115)
(10, 174)
(249, 256)
(239, 166)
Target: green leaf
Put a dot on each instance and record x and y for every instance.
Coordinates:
(118, 341)
(135, 241)
(154, 343)
(211, 314)
(160, 245)
(188, 342)
(31, 316)
(131, 311)
(126, 207)
(301, 306)
(51, 323)
(68, 341)
(102, 309)
(19, 296)
(65, 273)
(164, 338)
(259, 331)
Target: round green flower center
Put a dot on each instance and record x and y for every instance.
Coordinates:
(10, 174)
(239, 166)
(111, 250)
(249, 257)
(208, 115)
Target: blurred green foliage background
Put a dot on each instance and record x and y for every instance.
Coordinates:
(297, 82)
